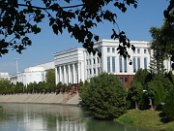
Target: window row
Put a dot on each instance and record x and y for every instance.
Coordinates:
(94, 71)
(92, 61)
(111, 64)
(109, 49)
(137, 50)
(137, 63)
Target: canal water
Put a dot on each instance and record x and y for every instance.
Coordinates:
(42, 117)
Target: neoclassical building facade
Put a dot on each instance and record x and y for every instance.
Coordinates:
(75, 65)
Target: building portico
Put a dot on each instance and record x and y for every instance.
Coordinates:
(69, 67)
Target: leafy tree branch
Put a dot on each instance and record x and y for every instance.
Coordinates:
(18, 19)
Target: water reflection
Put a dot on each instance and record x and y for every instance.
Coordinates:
(35, 117)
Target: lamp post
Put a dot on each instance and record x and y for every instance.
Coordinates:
(17, 66)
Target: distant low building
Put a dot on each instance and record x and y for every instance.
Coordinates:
(32, 74)
(4, 75)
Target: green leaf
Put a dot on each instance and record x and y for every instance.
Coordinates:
(96, 38)
(55, 29)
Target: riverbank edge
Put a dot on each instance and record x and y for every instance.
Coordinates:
(147, 119)
(51, 98)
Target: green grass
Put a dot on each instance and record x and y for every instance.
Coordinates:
(146, 119)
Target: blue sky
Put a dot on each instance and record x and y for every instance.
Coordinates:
(135, 22)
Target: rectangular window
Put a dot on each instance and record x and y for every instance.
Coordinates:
(113, 50)
(145, 63)
(89, 61)
(113, 64)
(98, 60)
(120, 64)
(98, 70)
(138, 62)
(94, 71)
(90, 71)
(94, 60)
(108, 49)
(108, 64)
(134, 64)
(86, 62)
(145, 51)
(125, 65)
(87, 72)
(138, 50)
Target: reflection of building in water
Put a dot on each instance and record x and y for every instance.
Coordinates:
(67, 124)
(33, 122)
(46, 122)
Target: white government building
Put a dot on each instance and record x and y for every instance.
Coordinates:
(4, 75)
(75, 65)
(32, 74)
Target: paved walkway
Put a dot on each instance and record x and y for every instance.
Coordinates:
(41, 98)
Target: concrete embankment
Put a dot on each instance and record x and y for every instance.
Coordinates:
(65, 98)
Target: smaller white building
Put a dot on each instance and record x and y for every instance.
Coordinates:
(32, 74)
(4, 75)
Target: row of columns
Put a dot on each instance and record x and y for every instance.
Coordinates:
(70, 73)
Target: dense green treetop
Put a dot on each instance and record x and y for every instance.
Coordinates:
(50, 78)
(163, 40)
(104, 97)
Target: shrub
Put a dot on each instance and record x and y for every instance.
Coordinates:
(169, 105)
(104, 97)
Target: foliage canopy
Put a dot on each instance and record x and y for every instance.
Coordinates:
(163, 40)
(19, 18)
(104, 97)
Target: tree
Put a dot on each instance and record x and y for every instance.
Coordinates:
(158, 88)
(5, 86)
(152, 66)
(156, 93)
(19, 88)
(163, 40)
(159, 49)
(19, 18)
(143, 76)
(169, 105)
(50, 79)
(135, 93)
(104, 97)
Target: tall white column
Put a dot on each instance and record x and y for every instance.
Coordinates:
(56, 75)
(79, 72)
(83, 71)
(60, 74)
(111, 64)
(64, 71)
(74, 73)
(69, 74)
(92, 66)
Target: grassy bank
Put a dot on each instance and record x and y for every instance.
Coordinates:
(146, 119)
